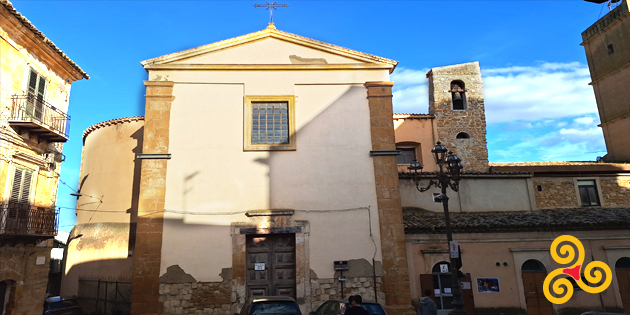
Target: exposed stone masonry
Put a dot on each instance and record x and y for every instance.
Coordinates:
(198, 298)
(18, 267)
(471, 120)
(555, 193)
(615, 191)
(328, 289)
(218, 298)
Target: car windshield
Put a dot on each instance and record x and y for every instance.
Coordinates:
(275, 308)
(62, 304)
(374, 309)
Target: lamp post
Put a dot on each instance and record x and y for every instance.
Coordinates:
(444, 179)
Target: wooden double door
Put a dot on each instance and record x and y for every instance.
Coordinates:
(271, 265)
(537, 303)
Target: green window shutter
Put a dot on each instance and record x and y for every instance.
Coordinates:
(21, 188)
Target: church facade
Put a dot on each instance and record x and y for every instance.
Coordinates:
(272, 164)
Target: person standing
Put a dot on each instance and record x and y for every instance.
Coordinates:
(426, 305)
(355, 307)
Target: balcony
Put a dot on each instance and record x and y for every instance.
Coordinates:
(19, 219)
(39, 117)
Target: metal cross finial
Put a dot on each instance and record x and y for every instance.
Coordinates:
(271, 6)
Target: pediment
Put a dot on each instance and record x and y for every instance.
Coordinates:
(268, 47)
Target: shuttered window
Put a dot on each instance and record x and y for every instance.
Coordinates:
(36, 91)
(21, 189)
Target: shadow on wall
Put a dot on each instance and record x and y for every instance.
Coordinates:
(103, 295)
(135, 189)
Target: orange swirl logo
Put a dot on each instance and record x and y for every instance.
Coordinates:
(565, 255)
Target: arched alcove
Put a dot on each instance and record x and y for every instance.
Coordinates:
(458, 94)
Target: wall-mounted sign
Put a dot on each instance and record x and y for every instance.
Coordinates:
(466, 286)
(488, 285)
(443, 268)
(259, 266)
(340, 265)
(454, 249)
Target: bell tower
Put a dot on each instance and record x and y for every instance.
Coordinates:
(456, 100)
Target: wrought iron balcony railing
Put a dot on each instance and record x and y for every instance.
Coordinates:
(19, 219)
(40, 117)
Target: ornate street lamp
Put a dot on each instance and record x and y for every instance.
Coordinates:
(444, 179)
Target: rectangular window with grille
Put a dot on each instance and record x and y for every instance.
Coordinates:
(588, 193)
(269, 123)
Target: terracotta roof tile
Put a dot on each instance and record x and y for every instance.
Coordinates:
(109, 123)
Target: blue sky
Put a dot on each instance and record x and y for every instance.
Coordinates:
(539, 106)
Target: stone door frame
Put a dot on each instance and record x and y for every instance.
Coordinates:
(271, 223)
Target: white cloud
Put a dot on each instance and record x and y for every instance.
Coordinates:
(411, 91)
(585, 120)
(530, 93)
(545, 111)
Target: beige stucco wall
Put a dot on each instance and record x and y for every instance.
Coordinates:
(474, 195)
(268, 51)
(421, 132)
(105, 210)
(330, 170)
(481, 252)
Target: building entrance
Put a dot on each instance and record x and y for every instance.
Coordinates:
(622, 269)
(534, 273)
(271, 265)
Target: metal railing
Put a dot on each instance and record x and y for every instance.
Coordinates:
(28, 107)
(18, 219)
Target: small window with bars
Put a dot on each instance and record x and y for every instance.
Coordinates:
(269, 123)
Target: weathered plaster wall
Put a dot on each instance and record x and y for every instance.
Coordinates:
(481, 253)
(331, 122)
(420, 132)
(107, 208)
(474, 195)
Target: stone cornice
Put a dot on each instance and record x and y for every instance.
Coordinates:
(270, 32)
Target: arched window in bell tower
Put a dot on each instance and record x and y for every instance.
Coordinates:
(458, 94)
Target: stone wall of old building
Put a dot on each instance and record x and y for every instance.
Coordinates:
(555, 193)
(219, 298)
(469, 122)
(615, 191)
(26, 268)
(330, 289)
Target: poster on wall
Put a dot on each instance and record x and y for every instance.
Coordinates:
(488, 285)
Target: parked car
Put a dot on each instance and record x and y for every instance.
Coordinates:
(271, 305)
(336, 307)
(57, 305)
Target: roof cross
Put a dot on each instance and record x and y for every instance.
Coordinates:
(271, 6)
